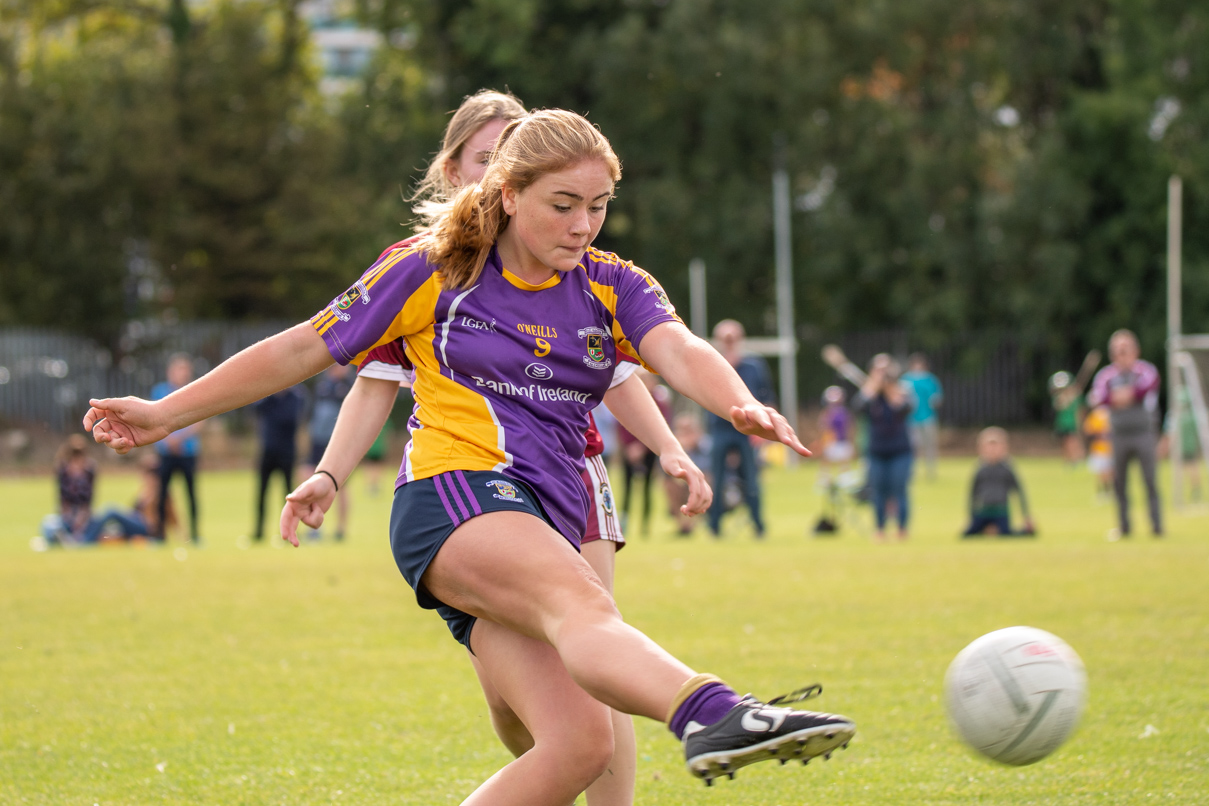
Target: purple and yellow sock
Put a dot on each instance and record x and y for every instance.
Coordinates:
(703, 699)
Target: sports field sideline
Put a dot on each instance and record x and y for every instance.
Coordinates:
(265, 676)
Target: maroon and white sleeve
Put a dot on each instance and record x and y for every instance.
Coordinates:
(387, 363)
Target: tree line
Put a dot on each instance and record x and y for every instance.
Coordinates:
(965, 171)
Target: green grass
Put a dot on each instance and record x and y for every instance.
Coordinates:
(249, 676)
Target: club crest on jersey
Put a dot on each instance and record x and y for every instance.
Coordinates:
(596, 357)
(661, 300)
(606, 498)
(346, 300)
(504, 490)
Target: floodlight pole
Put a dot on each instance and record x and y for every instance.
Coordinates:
(696, 297)
(784, 256)
(1175, 193)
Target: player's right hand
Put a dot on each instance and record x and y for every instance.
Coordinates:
(308, 503)
(125, 423)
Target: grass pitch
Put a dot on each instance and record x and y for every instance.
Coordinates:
(231, 675)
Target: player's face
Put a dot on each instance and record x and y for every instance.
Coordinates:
(555, 219)
(471, 163)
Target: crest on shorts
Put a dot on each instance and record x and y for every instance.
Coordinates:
(606, 498)
(504, 490)
(596, 357)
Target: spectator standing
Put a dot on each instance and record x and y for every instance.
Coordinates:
(991, 490)
(729, 338)
(1129, 387)
(928, 395)
(279, 415)
(887, 407)
(179, 450)
(333, 386)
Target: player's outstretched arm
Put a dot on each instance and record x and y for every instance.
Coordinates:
(361, 418)
(695, 369)
(269, 366)
(632, 405)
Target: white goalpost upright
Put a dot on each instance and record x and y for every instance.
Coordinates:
(1183, 372)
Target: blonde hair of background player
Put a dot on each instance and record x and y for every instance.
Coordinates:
(441, 180)
(463, 231)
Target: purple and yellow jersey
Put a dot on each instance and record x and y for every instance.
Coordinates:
(505, 372)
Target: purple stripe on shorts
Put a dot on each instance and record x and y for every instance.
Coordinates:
(453, 516)
(457, 498)
(474, 502)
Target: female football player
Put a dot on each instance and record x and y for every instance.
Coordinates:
(469, 140)
(490, 505)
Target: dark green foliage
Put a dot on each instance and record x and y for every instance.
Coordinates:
(992, 168)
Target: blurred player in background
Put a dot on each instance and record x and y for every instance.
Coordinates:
(1068, 414)
(179, 450)
(836, 434)
(928, 395)
(279, 415)
(991, 489)
(1129, 387)
(326, 400)
(692, 437)
(639, 460)
(729, 337)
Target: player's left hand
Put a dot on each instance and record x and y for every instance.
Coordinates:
(767, 423)
(308, 503)
(677, 465)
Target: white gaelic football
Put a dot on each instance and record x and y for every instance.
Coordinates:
(1016, 694)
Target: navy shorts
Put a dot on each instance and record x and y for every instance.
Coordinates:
(426, 512)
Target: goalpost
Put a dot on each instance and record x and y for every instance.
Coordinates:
(1187, 358)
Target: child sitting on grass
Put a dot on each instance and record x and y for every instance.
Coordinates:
(993, 483)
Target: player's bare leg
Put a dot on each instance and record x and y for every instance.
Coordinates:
(508, 726)
(513, 569)
(572, 734)
(615, 787)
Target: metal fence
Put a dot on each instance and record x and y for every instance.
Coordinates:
(47, 377)
(986, 380)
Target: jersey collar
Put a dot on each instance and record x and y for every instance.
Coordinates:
(517, 281)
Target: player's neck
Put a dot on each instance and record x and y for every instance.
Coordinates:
(517, 259)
